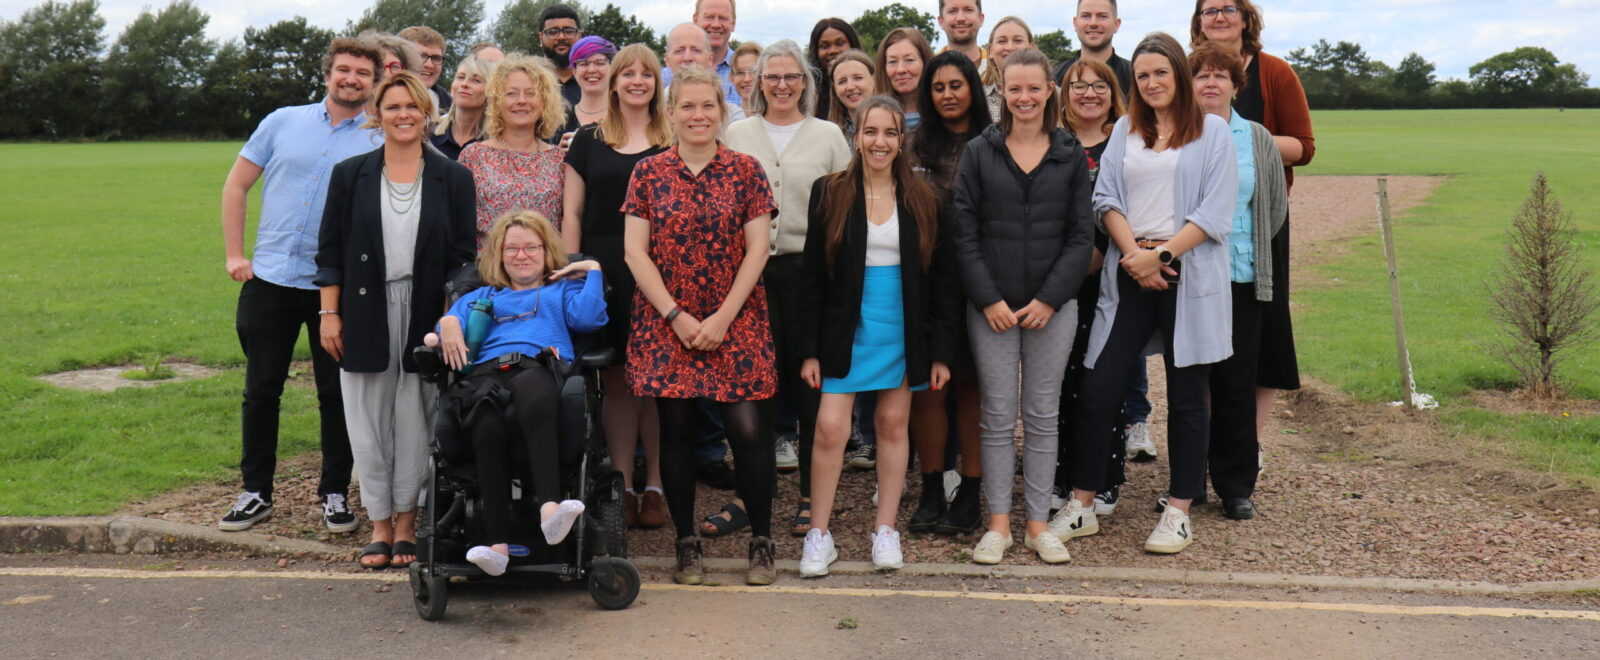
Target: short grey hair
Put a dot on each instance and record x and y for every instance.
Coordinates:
(404, 49)
(785, 48)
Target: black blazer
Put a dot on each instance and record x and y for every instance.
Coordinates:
(830, 299)
(350, 252)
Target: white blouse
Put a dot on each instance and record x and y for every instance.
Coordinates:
(883, 241)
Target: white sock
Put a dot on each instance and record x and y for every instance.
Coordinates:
(629, 491)
(657, 489)
(487, 559)
(557, 519)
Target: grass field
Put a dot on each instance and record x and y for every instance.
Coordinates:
(112, 253)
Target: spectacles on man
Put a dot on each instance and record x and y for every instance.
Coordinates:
(568, 32)
(773, 78)
(1080, 88)
(1230, 10)
(433, 59)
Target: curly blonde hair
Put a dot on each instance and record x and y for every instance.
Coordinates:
(548, 90)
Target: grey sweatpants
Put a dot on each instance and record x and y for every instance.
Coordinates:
(389, 416)
(1038, 359)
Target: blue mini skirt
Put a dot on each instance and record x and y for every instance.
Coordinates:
(878, 352)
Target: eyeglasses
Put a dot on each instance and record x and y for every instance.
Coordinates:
(531, 250)
(433, 59)
(394, 67)
(525, 315)
(1212, 12)
(744, 73)
(591, 64)
(773, 78)
(1080, 88)
(568, 32)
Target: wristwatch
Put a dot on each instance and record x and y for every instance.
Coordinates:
(1163, 254)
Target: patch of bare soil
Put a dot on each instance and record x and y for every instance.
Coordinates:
(1325, 211)
(106, 379)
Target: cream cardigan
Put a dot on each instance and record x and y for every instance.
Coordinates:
(816, 150)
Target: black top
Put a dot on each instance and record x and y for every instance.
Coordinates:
(444, 97)
(605, 174)
(350, 252)
(1023, 237)
(1249, 103)
(1093, 153)
(570, 91)
(1119, 66)
(446, 144)
(830, 298)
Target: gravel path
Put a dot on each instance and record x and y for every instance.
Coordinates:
(1348, 489)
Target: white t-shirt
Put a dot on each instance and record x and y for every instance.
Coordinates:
(399, 229)
(1150, 177)
(781, 135)
(883, 241)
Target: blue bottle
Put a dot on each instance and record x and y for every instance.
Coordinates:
(478, 322)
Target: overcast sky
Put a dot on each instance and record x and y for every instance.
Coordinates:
(1454, 34)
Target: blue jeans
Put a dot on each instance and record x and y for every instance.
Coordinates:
(1136, 400)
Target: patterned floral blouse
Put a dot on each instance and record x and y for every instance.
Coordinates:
(697, 243)
(515, 181)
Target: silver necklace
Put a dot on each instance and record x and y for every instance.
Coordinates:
(397, 195)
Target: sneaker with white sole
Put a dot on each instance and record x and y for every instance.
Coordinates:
(1074, 520)
(1172, 533)
(336, 514)
(991, 548)
(248, 510)
(1140, 448)
(886, 554)
(865, 458)
(788, 459)
(817, 553)
(1105, 501)
(1050, 548)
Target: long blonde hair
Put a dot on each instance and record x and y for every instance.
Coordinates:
(490, 266)
(474, 66)
(538, 69)
(612, 130)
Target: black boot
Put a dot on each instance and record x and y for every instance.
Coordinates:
(931, 507)
(964, 514)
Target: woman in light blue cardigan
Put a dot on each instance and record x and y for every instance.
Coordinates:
(1165, 196)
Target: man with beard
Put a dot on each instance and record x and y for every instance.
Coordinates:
(961, 20)
(431, 44)
(558, 30)
(295, 148)
(1096, 23)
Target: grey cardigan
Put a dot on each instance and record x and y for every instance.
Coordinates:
(1270, 201)
(1204, 193)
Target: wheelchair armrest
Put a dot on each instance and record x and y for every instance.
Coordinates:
(430, 364)
(597, 358)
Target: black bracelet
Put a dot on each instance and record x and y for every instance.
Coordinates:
(673, 314)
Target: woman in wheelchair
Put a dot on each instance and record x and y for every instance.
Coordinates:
(538, 300)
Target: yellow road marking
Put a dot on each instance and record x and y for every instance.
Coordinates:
(1063, 599)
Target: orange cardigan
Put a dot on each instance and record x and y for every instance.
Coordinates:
(1285, 111)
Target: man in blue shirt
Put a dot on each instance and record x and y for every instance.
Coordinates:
(689, 45)
(295, 149)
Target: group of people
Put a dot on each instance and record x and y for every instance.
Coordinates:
(790, 245)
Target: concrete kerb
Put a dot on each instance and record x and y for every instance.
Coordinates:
(133, 535)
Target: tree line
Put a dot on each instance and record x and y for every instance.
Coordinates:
(162, 77)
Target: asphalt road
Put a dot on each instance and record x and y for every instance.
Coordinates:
(58, 607)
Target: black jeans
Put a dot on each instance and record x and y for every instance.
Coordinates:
(535, 396)
(268, 321)
(1234, 445)
(1141, 313)
(782, 279)
(749, 428)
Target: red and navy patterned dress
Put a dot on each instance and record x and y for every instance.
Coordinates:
(697, 242)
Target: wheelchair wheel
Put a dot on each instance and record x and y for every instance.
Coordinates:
(612, 529)
(613, 582)
(428, 592)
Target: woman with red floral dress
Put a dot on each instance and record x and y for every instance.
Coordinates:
(696, 241)
(516, 169)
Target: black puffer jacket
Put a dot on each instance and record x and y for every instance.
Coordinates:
(1021, 237)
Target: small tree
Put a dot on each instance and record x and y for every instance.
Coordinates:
(1543, 295)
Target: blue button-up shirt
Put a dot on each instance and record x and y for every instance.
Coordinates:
(1241, 241)
(296, 148)
(724, 71)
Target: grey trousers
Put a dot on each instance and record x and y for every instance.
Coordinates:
(1038, 360)
(389, 416)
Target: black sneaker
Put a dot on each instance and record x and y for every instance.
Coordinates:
(246, 512)
(865, 458)
(718, 475)
(1105, 501)
(336, 514)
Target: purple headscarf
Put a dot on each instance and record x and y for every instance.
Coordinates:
(590, 45)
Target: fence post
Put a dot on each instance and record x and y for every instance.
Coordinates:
(1408, 385)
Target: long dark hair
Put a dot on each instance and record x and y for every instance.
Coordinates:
(915, 194)
(1188, 120)
(816, 36)
(934, 140)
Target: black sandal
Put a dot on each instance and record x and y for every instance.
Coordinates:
(737, 519)
(802, 518)
(402, 548)
(376, 549)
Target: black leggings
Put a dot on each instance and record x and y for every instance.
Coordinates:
(752, 455)
(535, 398)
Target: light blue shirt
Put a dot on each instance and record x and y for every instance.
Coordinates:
(1241, 241)
(724, 71)
(296, 148)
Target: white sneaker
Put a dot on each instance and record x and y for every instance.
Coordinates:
(817, 553)
(991, 548)
(874, 496)
(1050, 548)
(487, 559)
(1172, 533)
(952, 481)
(886, 549)
(1139, 446)
(1074, 520)
(787, 458)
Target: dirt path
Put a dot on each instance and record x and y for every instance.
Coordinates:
(1348, 489)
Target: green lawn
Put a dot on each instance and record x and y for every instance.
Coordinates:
(112, 252)
(1448, 248)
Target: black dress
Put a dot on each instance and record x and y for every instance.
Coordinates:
(1278, 367)
(605, 175)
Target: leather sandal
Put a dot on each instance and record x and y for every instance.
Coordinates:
(737, 519)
